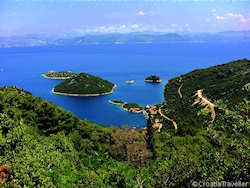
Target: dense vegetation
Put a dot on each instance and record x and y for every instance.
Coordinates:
(53, 74)
(44, 145)
(153, 78)
(208, 149)
(224, 85)
(84, 83)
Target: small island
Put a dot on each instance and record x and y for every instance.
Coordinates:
(129, 107)
(153, 79)
(130, 82)
(84, 84)
(58, 75)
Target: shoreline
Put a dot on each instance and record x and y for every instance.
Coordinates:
(55, 78)
(151, 81)
(119, 104)
(136, 112)
(84, 95)
(125, 109)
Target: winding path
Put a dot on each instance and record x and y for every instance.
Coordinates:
(179, 91)
(204, 102)
(174, 123)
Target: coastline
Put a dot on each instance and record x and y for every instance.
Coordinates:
(151, 81)
(84, 95)
(119, 104)
(136, 112)
(55, 78)
(125, 109)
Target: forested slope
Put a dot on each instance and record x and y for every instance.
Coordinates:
(42, 145)
(223, 85)
(84, 83)
(210, 139)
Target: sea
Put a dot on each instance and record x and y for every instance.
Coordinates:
(23, 67)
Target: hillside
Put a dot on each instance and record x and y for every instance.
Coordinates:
(222, 85)
(200, 133)
(44, 145)
(205, 111)
(84, 84)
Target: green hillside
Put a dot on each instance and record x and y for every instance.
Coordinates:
(223, 85)
(42, 145)
(205, 119)
(84, 84)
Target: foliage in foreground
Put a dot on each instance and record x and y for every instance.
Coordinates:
(43, 145)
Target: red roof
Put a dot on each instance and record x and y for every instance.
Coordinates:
(156, 125)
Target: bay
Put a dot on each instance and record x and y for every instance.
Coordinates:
(117, 63)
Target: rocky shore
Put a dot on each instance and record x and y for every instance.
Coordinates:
(133, 110)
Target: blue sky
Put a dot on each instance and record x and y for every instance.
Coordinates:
(20, 17)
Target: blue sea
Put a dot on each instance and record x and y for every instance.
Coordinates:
(117, 63)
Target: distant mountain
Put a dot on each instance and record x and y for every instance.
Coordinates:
(37, 40)
(121, 38)
(32, 40)
(227, 36)
(27, 40)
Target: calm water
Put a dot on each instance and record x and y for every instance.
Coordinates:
(117, 63)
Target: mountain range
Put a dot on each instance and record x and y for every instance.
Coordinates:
(118, 38)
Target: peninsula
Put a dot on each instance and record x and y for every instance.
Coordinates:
(58, 75)
(129, 107)
(84, 84)
(153, 79)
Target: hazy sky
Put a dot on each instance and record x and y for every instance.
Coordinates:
(19, 17)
